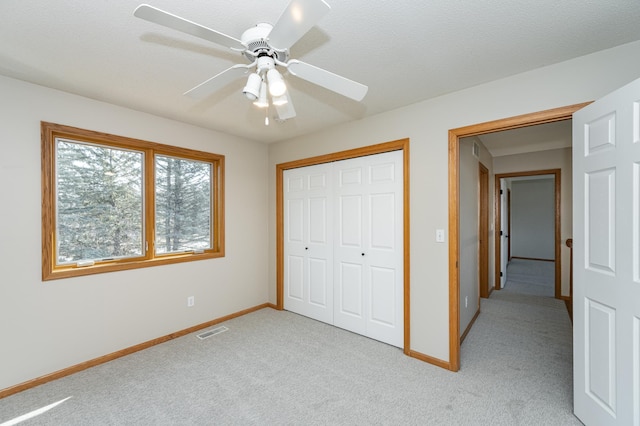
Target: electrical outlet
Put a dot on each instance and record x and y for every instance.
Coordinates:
(191, 300)
(466, 301)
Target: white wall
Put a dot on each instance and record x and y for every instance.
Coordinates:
(544, 160)
(48, 326)
(532, 232)
(469, 228)
(427, 124)
(469, 235)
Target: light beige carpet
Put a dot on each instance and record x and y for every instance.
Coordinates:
(278, 368)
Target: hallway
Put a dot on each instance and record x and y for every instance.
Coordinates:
(532, 277)
(522, 339)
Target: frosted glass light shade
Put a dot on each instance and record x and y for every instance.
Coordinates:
(262, 101)
(252, 89)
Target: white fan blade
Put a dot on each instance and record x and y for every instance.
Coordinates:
(166, 19)
(295, 21)
(328, 80)
(286, 111)
(217, 81)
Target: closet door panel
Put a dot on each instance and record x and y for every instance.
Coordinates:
(308, 242)
(319, 283)
(383, 221)
(383, 296)
(295, 258)
(350, 275)
(295, 277)
(349, 278)
(349, 313)
(318, 220)
(384, 248)
(319, 246)
(295, 223)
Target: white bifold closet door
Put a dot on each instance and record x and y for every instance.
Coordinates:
(343, 245)
(308, 247)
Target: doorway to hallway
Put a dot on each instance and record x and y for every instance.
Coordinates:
(455, 136)
(528, 221)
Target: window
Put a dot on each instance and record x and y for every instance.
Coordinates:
(111, 203)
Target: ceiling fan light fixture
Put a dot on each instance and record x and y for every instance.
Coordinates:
(262, 101)
(252, 89)
(265, 46)
(277, 87)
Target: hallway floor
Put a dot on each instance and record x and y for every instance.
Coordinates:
(533, 277)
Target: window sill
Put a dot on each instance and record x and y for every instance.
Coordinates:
(123, 265)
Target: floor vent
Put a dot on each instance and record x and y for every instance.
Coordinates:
(212, 332)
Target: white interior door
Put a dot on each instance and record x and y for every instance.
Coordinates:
(368, 267)
(308, 248)
(606, 234)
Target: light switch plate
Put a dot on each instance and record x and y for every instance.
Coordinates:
(439, 235)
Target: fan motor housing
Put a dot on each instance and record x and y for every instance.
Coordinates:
(257, 41)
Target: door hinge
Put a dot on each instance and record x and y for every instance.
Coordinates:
(500, 273)
(501, 233)
(501, 192)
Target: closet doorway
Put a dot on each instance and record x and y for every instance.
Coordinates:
(343, 244)
(286, 267)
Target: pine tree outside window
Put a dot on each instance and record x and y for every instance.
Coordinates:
(183, 206)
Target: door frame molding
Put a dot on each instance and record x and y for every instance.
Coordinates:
(557, 244)
(398, 145)
(541, 117)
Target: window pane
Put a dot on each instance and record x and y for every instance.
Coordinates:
(183, 204)
(99, 202)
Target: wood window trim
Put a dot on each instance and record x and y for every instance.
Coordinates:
(51, 131)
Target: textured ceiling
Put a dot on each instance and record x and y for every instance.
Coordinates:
(541, 137)
(406, 51)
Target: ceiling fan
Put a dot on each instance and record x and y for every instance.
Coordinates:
(266, 47)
